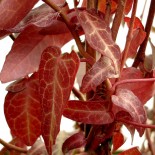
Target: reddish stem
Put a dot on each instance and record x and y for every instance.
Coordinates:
(78, 94)
(129, 35)
(108, 11)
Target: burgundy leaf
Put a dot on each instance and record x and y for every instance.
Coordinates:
(75, 141)
(138, 37)
(43, 16)
(98, 35)
(118, 140)
(23, 112)
(89, 112)
(12, 12)
(144, 90)
(57, 74)
(99, 72)
(25, 54)
(132, 151)
(126, 100)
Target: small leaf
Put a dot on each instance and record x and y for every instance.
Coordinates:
(132, 151)
(25, 54)
(126, 100)
(23, 112)
(89, 112)
(56, 73)
(75, 141)
(12, 12)
(98, 35)
(118, 140)
(128, 6)
(99, 72)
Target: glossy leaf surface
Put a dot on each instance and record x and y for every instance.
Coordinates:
(99, 72)
(89, 112)
(75, 141)
(23, 112)
(57, 73)
(25, 54)
(98, 35)
(130, 103)
(12, 12)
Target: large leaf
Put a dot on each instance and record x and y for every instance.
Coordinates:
(130, 103)
(89, 112)
(99, 72)
(12, 12)
(23, 112)
(144, 90)
(98, 35)
(132, 151)
(75, 141)
(26, 51)
(57, 74)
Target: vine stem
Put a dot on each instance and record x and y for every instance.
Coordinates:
(141, 52)
(118, 18)
(78, 94)
(71, 29)
(129, 35)
(12, 147)
(132, 81)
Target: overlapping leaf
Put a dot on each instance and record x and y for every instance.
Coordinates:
(75, 141)
(144, 90)
(57, 73)
(130, 103)
(132, 151)
(89, 112)
(26, 51)
(12, 12)
(99, 72)
(98, 35)
(23, 112)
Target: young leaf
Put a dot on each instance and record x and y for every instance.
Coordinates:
(12, 12)
(132, 151)
(75, 141)
(99, 72)
(118, 140)
(89, 112)
(144, 90)
(98, 35)
(138, 37)
(126, 100)
(57, 73)
(25, 54)
(23, 112)
(128, 6)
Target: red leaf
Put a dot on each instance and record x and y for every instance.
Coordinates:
(98, 35)
(137, 23)
(38, 148)
(75, 141)
(99, 72)
(43, 16)
(25, 54)
(128, 6)
(57, 74)
(126, 100)
(12, 12)
(144, 90)
(138, 37)
(23, 112)
(90, 112)
(118, 140)
(132, 151)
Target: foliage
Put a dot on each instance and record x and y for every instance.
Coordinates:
(111, 94)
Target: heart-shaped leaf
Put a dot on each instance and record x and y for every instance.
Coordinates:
(57, 73)
(125, 99)
(98, 35)
(99, 72)
(89, 112)
(23, 112)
